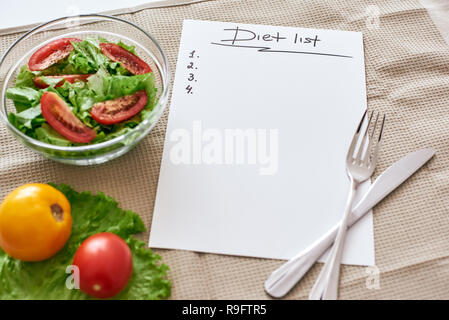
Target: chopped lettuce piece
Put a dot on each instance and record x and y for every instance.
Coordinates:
(51, 81)
(47, 134)
(23, 97)
(27, 116)
(86, 56)
(127, 47)
(25, 77)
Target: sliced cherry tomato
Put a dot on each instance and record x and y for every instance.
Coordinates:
(39, 82)
(105, 265)
(51, 53)
(61, 118)
(119, 109)
(129, 60)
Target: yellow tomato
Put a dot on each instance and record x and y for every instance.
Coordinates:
(35, 222)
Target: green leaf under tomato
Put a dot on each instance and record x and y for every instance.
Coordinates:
(47, 134)
(91, 214)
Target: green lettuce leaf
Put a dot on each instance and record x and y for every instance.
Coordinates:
(25, 77)
(131, 49)
(107, 87)
(86, 56)
(47, 134)
(91, 214)
(51, 81)
(29, 118)
(23, 97)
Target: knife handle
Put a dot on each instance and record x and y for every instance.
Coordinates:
(283, 279)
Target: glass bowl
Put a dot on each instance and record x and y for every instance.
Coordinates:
(111, 28)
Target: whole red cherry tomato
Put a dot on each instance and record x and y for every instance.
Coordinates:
(105, 265)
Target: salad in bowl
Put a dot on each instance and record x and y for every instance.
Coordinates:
(75, 91)
(85, 98)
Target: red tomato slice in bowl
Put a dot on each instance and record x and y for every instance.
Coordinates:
(129, 60)
(51, 53)
(39, 82)
(61, 118)
(119, 109)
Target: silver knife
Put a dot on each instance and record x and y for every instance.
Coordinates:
(283, 279)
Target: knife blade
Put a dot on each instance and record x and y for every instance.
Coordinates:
(286, 276)
(389, 180)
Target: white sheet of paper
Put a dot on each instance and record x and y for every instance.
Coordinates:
(298, 94)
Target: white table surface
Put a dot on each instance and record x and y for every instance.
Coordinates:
(25, 12)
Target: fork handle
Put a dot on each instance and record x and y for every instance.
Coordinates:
(283, 279)
(326, 285)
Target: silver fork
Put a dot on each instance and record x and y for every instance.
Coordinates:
(359, 169)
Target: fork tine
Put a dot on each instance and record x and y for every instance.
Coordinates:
(371, 158)
(382, 128)
(376, 148)
(370, 143)
(375, 126)
(355, 138)
(358, 158)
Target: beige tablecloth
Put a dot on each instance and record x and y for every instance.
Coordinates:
(407, 68)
